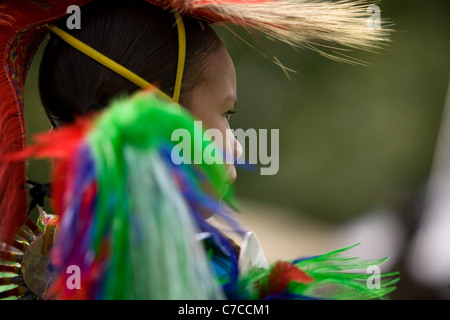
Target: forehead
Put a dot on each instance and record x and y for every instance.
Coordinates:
(220, 74)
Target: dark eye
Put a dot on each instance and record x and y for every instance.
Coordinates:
(228, 114)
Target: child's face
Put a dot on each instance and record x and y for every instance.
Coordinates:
(212, 100)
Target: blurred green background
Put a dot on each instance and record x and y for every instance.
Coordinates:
(351, 137)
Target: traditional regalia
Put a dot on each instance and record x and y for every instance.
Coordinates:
(128, 218)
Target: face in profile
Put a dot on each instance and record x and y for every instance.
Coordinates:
(214, 99)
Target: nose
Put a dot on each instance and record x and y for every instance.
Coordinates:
(234, 145)
(233, 149)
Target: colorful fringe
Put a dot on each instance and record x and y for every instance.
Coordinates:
(129, 218)
(327, 276)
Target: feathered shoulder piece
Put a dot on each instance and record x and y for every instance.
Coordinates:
(128, 214)
(131, 218)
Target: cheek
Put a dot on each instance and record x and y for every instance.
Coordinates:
(208, 119)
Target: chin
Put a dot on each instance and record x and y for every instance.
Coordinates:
(232, 175)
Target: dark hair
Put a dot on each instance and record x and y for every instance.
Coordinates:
(140, 36)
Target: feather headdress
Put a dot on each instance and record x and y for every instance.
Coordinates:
(22, 28)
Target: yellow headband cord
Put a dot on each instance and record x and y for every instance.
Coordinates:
(181, 56)
(124, 72)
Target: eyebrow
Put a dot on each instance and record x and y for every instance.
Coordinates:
(232, 98)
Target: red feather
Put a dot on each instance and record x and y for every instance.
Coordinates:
(281, 274)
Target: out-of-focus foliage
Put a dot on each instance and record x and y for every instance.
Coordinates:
(351, 137)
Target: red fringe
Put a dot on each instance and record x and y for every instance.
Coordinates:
(20, 37)
(282, 273)
(21, 32)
